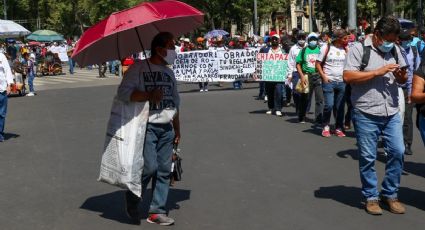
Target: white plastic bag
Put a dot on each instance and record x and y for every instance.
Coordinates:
(122, 160)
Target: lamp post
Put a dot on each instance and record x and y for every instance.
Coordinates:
(255, 18)
(4, 9)
(352, 14)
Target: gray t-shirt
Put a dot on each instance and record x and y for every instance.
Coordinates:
(139, 77)
(379, 95)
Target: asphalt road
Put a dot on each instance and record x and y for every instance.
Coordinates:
(243, 169)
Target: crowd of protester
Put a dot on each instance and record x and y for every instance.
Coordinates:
(372, 81)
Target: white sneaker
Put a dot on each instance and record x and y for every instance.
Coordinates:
(265, 98)
(206, 90)
(278, 113)
(30, 94)
(269, 112)
(201, 90)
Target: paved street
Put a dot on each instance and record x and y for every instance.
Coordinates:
(242, 169)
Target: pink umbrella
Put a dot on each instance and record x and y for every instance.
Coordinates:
(130, 31)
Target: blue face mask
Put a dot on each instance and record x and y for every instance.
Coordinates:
(312, 44)
(405, 44)
(386, 46)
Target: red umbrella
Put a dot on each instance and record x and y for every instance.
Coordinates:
(130, 31)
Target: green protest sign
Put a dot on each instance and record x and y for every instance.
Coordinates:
(271, 67)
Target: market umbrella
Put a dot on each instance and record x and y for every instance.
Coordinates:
(45, 36)
(11, 29)
(215, 33)
(130, 31)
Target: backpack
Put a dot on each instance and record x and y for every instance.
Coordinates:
(366, 56)
(328, 48)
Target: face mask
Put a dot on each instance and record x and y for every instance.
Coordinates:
(312, 44)
(405, 44)
(386, 47)
(171, 56)
(301, 42)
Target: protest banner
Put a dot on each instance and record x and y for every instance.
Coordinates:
(271, 67)
(196, 66)
(215, 66)
(236, 64)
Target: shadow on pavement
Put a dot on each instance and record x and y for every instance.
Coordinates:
(112, 205)
(412, 197)
(262, 111)
(350, 196)
(8, 136)
(415, 168)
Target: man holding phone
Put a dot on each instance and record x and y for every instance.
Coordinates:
(374, 69)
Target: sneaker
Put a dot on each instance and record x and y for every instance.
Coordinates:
(347, 125)
(265, 98)
(269, 112)
(372, 207)
(279, 114)
(302, 121)
(395, 206)
(205, 90)
(160, 219)
(131, 207)
(1, 138)
(201, 90)
(30, 94)
(326, 131)
(339, 133)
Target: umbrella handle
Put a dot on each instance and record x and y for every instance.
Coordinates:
(144, 53)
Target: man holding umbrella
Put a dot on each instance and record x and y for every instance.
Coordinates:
(151, 80)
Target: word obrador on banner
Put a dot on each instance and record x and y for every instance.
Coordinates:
(229, 66)
(271, 67)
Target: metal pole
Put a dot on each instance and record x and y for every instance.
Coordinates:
(255, 18)
(310, 18)
(5, 9)
(419, 18)
(352, 14)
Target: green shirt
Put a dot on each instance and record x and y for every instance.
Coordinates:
(308, 65)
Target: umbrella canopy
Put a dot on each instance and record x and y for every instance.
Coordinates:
(45, 36)
(215, 33)
(10, 29)
(129, 31)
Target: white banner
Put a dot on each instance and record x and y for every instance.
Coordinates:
(215, 66)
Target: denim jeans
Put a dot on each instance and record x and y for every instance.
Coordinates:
(262, 93)
(333, 93)
(237, 84)
(31, 81)
(408, 120)
(368, 129)
(71, 65)
(274, 95)
(422, 127)
(3, 110)
(157, 154)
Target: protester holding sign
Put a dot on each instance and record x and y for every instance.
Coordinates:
(330, 65)
(274, 89)
(151, 80)
(306, 67)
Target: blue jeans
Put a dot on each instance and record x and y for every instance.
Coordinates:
(368, 128)
(31, 81)
(237, 84)
(71, 65)
(333, 93)
(157, 155)
(422, 127)
(3, 110)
